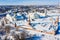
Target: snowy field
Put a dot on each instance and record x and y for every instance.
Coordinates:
(38, 29)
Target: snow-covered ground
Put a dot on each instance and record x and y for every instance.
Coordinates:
(41, 24)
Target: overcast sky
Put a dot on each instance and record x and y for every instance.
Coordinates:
(29, 2)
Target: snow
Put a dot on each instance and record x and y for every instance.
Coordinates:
(43, 25)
